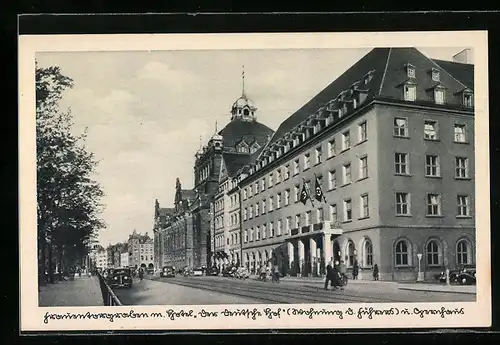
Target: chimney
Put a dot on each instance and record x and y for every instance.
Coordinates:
(465, 56)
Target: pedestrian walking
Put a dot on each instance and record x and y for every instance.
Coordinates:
(329, 275)
(355, 270)
(276, 274)
(375, 272)
(336, 281)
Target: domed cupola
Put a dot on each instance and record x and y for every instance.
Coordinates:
(243, 108)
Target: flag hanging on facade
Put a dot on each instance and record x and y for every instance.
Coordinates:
(304, 195)
(318, 191)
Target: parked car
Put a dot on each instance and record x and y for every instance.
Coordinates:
(197, 271)
(150, 271)
(454, 274)
(168, 271)
(242, 273)
(467, 277)
(121, 277)
(107, 274)
(212, 271)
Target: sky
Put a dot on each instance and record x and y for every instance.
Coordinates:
(146, 110)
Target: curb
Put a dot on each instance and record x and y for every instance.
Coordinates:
(435, 290)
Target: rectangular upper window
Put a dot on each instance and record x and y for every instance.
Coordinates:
(346, 140)
(459, 133)
(400, 127)
(431, 130)
(331, 148)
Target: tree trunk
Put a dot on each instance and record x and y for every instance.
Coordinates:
(42, 257)
(51, 264)
(60, 263)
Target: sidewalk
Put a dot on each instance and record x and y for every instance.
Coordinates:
(83, 291)
(379, 284)
(322, 280)
(463, 289)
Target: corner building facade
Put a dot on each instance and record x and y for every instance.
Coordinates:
(391, 142)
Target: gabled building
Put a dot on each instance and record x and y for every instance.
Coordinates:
(140, 250)
(391, 143)
(226, 227)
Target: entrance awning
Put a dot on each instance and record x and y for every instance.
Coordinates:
(324, 228)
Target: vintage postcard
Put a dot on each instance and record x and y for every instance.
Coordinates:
(254, 181)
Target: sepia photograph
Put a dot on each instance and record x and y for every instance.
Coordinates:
(276, 181)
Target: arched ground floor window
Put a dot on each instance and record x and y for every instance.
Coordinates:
(367, 253)
(463, 252)
(402, 253)
(433, 251)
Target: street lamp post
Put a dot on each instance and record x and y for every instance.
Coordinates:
(420, 275)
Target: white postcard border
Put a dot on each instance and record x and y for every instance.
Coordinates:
(475, 314)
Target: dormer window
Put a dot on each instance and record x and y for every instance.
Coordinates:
(410, 71)
(410, 92)
(435, 74)
(439, 95)
(467, 99)
(246, 112)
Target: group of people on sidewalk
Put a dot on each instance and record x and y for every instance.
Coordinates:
(336, 274)
(266, 271)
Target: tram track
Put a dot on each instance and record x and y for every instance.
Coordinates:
(282, 293)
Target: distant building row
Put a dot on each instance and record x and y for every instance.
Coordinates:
(136, 252)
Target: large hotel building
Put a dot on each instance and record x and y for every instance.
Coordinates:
(391, 142)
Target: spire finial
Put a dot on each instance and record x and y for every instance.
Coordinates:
(243, 80)
(215, 127)
(200, 142)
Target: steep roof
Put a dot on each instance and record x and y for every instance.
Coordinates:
(235, 161)
(374, 60)
(464, 72)
(238, 129)
(388, 68)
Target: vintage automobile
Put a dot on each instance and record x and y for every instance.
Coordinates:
(168, 271)
(197, 271)
(212, 271)
(107, 274)
(121, 277)
(467, 277)
(242, 273)
(470, 270)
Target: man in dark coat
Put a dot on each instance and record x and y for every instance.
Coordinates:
(336, 283)
(329, 275)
